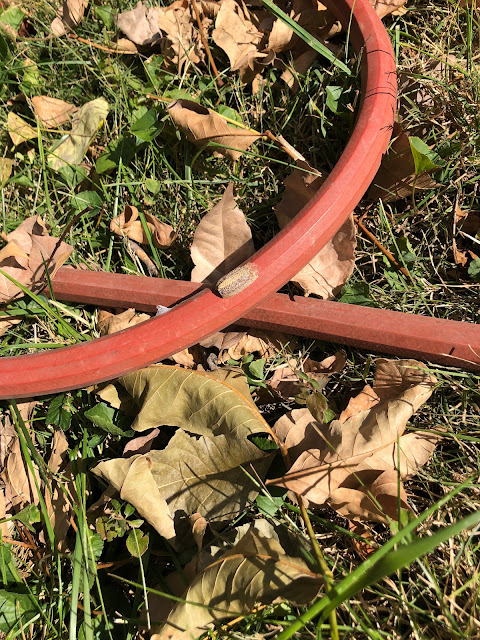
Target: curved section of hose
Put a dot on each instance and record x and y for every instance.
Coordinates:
(274, 265)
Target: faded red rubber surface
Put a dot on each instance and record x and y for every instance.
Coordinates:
(379, 330)
(277, 262)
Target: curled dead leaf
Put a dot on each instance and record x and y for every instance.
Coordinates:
(129, 224)
(28, 251)
(222, 240)
(108, 323)
(201, 126)
(356, 466)
(71, 15)
(288, 384)
(386, 7)
(237, 34)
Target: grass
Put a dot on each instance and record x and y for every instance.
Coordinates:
(95, 588)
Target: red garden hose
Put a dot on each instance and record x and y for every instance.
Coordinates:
(447, 342)
(269, 269)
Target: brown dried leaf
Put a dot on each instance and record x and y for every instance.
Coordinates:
(18, 129)
(59, 502)
(108, 323)
(181, 42)
(236, 33)
(366, 399)
(355, 464)
(128, 224)
(385, 7)
(85, 124)
(28, 249)
(52, 112)
(329, 270)
(396, 178)
(140, 25)
(232, 345)
(140, 444)
(256, 569)
(201, 126)
(288, 384)
(222, 240)
(7, 322)
(6, 166)
(71, 15)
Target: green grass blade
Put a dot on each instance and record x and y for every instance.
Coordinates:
(384, 562)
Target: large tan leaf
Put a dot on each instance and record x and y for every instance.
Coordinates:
(52, 112)
(396, 177)
(222, 240)
(29, 248)
(329, 270)
(86, 123)
(236, 33)
(201, 126)
(353, 454)
(256, 569)
(206, 475)
(199, 402)
(128, 224)
(18, 129)
(71, 14)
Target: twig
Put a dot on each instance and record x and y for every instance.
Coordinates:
(142, 255)
(219, 81)
(102, 47)
(385, 251)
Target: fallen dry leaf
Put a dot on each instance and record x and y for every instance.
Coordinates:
(466, 225)
(63, 494)
(366, 399)
(396, 177)
(385, 7)
(52, 112)
(222, 240)
(356, 465)
(286, 382)
(232, 345)
(140, 24)
(207, 475)
(19, 130)
(236, 33)
(200, 470)
(108, 323)
(256, 569)
(181, 42)
(71, 15)
(6, 166)
(7, 322)
(129, 224)
(329, 270)
(86, 122)
(201, 126)
(29, 248)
